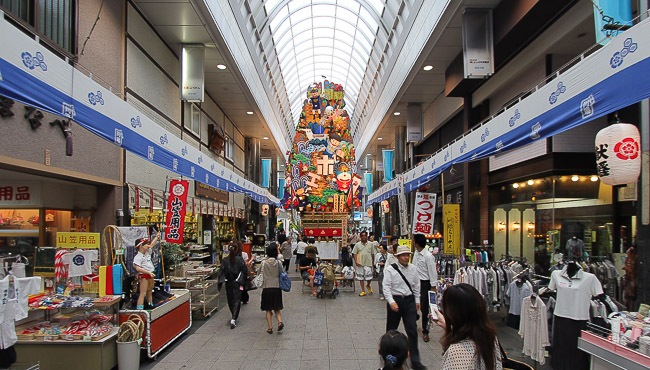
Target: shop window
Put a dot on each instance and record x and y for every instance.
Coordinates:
(193, 123)
(229, 149)
(54, 19)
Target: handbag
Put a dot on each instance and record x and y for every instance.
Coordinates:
(285, 281)
(318, 278)
(511, 364)
(258, 280)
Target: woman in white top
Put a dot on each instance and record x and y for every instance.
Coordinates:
(469, 341)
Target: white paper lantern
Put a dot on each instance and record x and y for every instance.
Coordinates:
(265, 210)
(618, 154)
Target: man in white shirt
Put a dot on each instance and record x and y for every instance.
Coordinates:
(402, 292)
(364, 256)
(426, 268)
(300, 251)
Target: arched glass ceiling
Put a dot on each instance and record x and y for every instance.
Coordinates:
(303, 41)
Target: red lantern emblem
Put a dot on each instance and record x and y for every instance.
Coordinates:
(627, 148)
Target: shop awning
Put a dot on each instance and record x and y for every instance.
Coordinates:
(33, 75)
(610, 79)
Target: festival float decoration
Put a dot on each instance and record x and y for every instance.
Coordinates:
(321, 179)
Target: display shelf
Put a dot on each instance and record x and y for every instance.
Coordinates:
(608, 353)
(205, 297)
(199, 257)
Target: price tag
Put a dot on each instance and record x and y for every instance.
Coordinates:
(119, 252)
(87, 338)
(48, 338)
(69, 337)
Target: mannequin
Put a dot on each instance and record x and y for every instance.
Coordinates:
(574, 248)
(575, 288)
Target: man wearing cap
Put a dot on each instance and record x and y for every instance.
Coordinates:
(425, 264)
(402, 292)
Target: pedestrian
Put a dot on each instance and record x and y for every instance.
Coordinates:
(469, 338)
(394, 350)
(146, 271)
(235, 273)
(307, 269)
(285, 249)
(300, 251)
(240, 252)
(380, 263)
(364, 255)
(271, 293)
(402, 293)
(426, 268)
(392, 248)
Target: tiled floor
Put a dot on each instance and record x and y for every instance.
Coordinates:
(339, 333)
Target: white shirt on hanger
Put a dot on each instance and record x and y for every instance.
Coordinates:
(574, 294)
(533, 327)
(80, 262)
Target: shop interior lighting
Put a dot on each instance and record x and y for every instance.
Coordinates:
(515, 185)
(594, 178)
(531, 182)
(265, 138)
(397, 113)
(501, 226)
(221, 66)
(575, 178)
(531, 227)
(249, 113)
(427, 68)
(516, 226)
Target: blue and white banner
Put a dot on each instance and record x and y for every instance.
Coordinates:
(266, 172)
(368, 178)
(32, 75)
(281, 183)
(610, 79)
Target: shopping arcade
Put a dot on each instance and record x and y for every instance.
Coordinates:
(27, 67)
(611, 78)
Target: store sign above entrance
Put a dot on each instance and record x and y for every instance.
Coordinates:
(603, 82)
(35, 76)
(20, 194)
(77, 240)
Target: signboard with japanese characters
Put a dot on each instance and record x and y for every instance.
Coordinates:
(176, 211)
(451, 215)
(403, 209)
(618, 158)
(77, 240)
(424, 213)
(20, 194)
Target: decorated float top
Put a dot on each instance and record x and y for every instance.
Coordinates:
(321, 171)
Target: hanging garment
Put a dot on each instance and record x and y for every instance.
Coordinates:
(534, 328)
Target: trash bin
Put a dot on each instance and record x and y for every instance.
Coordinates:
(128, 355)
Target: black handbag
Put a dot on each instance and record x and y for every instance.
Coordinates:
(509, 363)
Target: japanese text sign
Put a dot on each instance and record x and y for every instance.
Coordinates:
(618, 154)
(451, 218)
(77, 240)
(176, 207)
(20, 193)
(424, 212)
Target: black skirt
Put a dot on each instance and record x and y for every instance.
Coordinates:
(565, 354)
(271, 299)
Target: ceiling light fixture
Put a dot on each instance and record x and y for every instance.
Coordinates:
(594, 178)
(265, 138)
(380, 138)
(249, 113)
(221, 66)
(428, 67)
(531, 182)
(397, 113)
(515, 185)
(575, 178)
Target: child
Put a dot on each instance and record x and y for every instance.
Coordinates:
(145, 269)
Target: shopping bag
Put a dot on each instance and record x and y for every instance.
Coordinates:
(258, 280)
(285, 281)
(117, 279)
(318, 278)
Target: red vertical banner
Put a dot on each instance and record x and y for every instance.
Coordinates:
(176, 207)
(137, 198)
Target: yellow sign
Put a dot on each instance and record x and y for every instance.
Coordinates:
(77, 240)
(406, 242)
(451, 218)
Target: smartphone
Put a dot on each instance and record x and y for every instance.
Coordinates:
(433, 303)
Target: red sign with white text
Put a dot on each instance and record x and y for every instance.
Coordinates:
(423, 215)
(25, 193)
(176, 207)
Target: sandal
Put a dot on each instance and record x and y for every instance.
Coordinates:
(362, 294)
(280, 326)
(269, 330)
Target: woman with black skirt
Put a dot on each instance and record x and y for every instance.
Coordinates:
(271, 293)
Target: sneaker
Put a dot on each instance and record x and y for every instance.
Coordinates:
(381, 298)
(233, 324)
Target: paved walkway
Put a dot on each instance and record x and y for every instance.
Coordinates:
(319, 334)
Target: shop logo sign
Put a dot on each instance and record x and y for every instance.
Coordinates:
(629, 46)
(207, 178)
(164, 140)
(514, 118)
(175, 164)
(499, 145)
(135, 122)
(561, 89)
(184, 151)
(78, 260)
(67, 110)
(535, 131)
(95, 98)
(212, 167)
(192, 171)
(32, 62)
(150, 152)
(485, 135)
(463, 147)
(200, 159)
(587, 106)
(119, 137)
